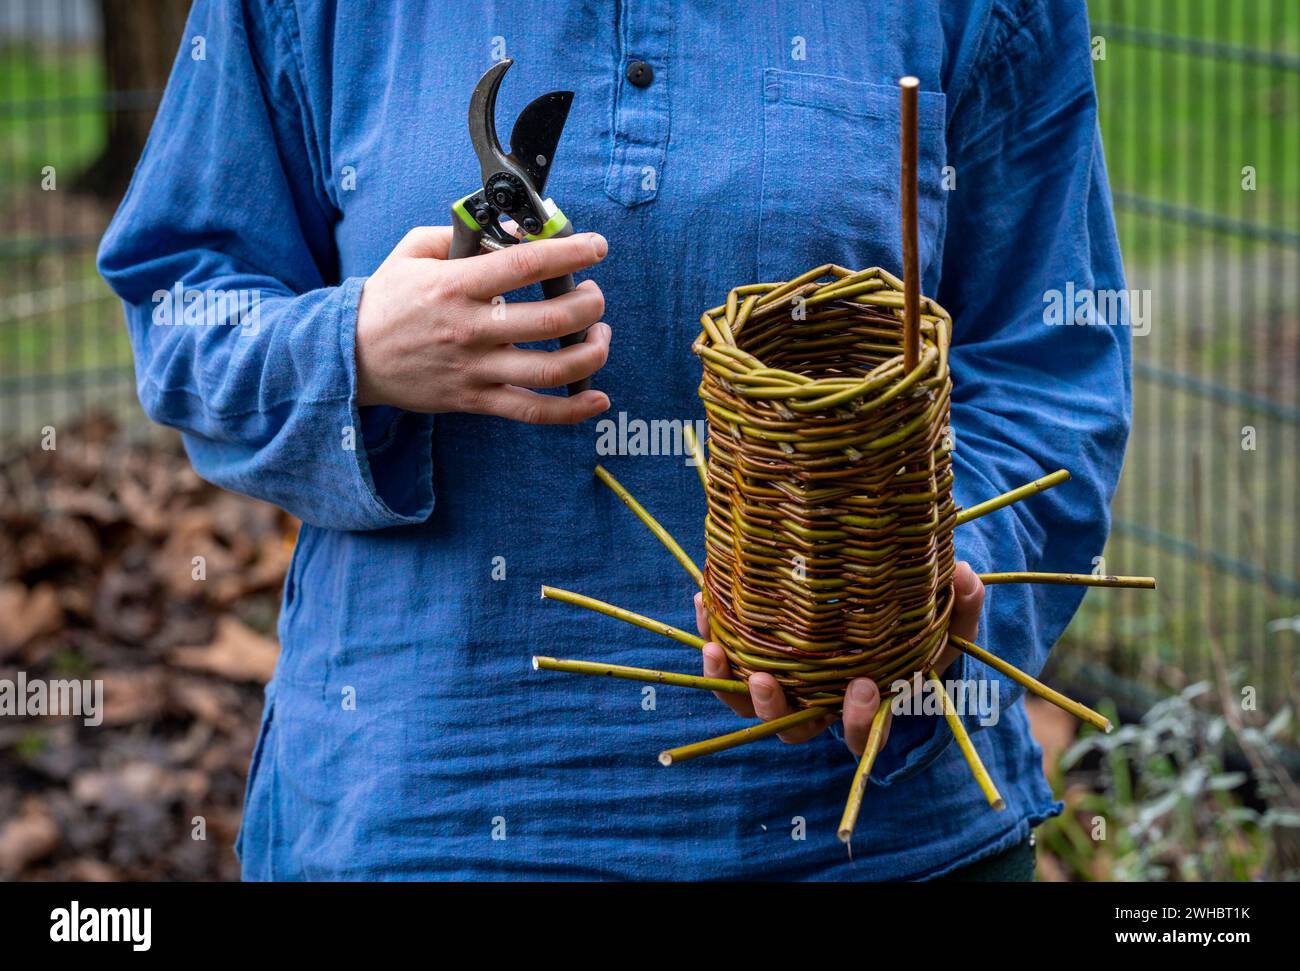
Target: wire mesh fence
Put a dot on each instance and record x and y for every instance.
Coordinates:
(79, 82)
(1200, 113)
(1200, 104)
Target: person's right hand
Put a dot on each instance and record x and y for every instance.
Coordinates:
(431, 337)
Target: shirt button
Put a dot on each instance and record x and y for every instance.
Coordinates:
(640, 73)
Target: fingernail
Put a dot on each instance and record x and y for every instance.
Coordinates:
(599, 245)
(861, 692)
(965, 579)
(761, 691)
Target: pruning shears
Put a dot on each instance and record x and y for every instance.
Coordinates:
(513, 184)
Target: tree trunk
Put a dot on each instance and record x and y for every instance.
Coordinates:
(140, 41)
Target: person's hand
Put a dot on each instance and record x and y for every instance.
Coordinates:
(433, 334)
(766, 700)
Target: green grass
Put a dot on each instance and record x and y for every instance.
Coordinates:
(51, 116)
(68, 137)
(1243, 23)
(1179, 127)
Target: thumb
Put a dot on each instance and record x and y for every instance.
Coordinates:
(861, 702)
(968, 601)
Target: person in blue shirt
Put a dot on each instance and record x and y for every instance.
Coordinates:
(335, 363)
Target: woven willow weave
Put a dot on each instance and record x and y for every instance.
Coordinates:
(828, 532)
(829, 551)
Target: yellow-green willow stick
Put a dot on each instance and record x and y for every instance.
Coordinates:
(640, 674)
(1071, 579)
(751, 734)
(967, 746)
(651, 524)
(693, 443)
(879, 725)
(1032, 684)
(618, 613)
(1015, 495)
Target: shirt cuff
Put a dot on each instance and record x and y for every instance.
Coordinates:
(393, 449)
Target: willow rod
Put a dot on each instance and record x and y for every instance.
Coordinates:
(746, 735)
(697, 452)
(967, 746)
(640, 674)
(1032, 684)
(907, 101)
(875, 738)
(1015, 495)
(1071, 579)
(651, 524)
(627, 616)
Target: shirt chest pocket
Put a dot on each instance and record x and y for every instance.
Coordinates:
(831, 172)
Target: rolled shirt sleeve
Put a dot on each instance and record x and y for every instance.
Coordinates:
(243, 336)
(1029, 221)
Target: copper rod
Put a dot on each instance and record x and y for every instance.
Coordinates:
(907, 102)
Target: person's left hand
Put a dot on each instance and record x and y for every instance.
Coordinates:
(766, 700)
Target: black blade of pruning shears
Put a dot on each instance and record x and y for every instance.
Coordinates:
(536, 134)
(513, 184)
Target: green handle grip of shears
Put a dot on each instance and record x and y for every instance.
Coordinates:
(467, 240)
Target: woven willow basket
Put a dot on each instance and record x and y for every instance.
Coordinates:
(829, 551)
(828, 535)
(829, 524)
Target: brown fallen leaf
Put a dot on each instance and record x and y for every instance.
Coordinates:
(111, 523)
(85, 870)
(145, 510)
(237, 653)
(65, 540)
(206, 701)
(27, 838)
(126, 601)
(134, 696)
(125, 787)
(192, 536)
(266, 572)
(27, 614)
(84, 502)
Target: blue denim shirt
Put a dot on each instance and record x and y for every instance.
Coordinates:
(405, 735)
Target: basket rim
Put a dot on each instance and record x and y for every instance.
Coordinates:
(873, 287)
